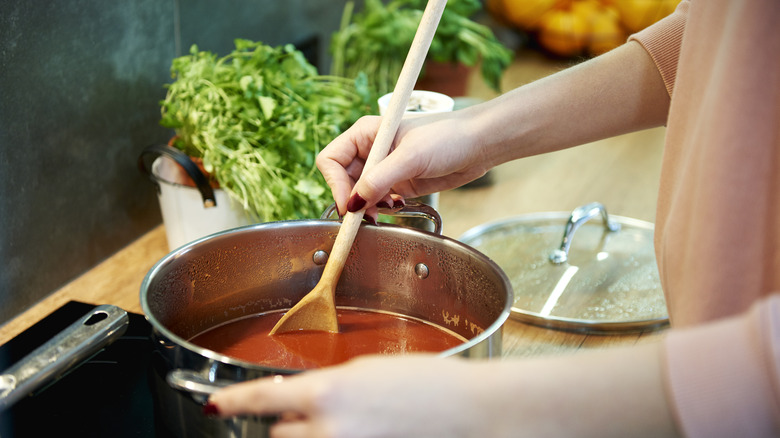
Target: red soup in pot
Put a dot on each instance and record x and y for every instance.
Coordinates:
(360, 332)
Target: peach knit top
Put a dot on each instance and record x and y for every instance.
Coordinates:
(717, 232)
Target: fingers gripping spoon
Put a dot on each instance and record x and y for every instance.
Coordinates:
(317, 309)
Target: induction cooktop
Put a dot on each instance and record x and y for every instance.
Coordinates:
(108, 395)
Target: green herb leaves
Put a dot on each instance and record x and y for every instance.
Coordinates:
(258, 117)
(376, 40)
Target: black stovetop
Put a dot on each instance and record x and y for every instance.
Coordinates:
(106, 396)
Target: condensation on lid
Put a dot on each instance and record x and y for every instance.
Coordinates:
(610, 281)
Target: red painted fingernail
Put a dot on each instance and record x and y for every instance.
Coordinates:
(383, 204)
(356, 203)
(210, 410)
(399, 203)
(370, 219)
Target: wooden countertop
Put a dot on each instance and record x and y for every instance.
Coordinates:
(620, 172)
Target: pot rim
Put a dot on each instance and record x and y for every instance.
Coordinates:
(481, 229)
(495, 327)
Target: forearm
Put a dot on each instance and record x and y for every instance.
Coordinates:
(604, 394)
(610, 393)
(618, 92)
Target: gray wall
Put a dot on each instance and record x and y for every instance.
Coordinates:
(80, 82)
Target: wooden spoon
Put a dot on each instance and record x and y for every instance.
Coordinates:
(317, 309)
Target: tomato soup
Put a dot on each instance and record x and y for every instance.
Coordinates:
(360, 332)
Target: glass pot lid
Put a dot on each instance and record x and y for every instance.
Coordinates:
(571, 272)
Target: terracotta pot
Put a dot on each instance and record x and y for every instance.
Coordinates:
(446, 78)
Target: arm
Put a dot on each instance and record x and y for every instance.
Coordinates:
(616, 392)
(609, 393)
(618, 92)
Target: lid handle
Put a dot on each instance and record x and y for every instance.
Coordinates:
(579, 216)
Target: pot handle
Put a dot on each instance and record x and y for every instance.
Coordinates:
(194, 384)
(183, 160)
(579, 216)
(199, 388)
(412, 209)
(78, 342)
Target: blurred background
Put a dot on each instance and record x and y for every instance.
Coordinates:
(81, 85)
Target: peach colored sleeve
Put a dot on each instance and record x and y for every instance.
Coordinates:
(662, 41)
(724, 377)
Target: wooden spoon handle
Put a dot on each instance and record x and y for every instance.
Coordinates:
(388, 128)
(406, 80)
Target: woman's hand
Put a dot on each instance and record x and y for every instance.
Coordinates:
(429, 154)
(408, 396)
(617, 392)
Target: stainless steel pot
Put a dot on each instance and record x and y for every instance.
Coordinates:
(270, 266)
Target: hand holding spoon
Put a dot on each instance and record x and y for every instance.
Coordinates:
(317, 309)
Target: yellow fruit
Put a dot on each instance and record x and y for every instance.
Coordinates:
(563, 32)
(605, 32)
(670, 6)
(526, 14)
(638, 14)
(587, 9)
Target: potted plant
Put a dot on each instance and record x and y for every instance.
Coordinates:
(376, 40)
(257, 118)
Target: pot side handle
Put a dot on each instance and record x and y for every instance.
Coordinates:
(186, 163)
(199, 388)
(412, 209)
(194, 384)
(78, 342)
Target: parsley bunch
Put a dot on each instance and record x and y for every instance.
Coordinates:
(258, 117)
